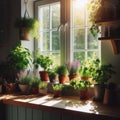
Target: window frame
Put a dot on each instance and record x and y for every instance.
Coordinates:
(66, 42)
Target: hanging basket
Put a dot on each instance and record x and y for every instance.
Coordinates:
(24, 34)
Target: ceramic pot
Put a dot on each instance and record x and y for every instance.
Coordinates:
(24, 88)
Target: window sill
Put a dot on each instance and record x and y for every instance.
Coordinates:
(69, 104)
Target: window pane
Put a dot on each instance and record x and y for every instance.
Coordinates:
(91, 53)
(79, 56)
(56, 58)
(45, 19)
(78, 13)
(46, 41)
(55, 40)
(79, 39)
(55, 15)
(92, 41)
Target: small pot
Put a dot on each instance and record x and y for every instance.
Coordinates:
(42, 91)
(63, 79)
(44, 75)
(24, 88)
(83, 94)
(57, 94)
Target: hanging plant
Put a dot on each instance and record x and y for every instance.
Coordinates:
(28, 26)
(94, 15)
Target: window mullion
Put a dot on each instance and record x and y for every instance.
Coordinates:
(50, 7)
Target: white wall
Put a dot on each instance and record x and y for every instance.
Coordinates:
(28, 44)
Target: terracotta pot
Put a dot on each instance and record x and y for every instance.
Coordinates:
(44, 76)
(63, 79)
(10, 88)
(84, 94)
(42, 91)
(57, 94)
(73, 76)
(85, 78)
(24, 34)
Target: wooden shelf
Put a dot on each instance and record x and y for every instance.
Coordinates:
(108, 22)
(109, 38)
(114, 40)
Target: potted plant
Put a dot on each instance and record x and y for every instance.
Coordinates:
(34, 85)
(81, 86)
(88, 67)
(57, 88)
(24, 83)
(63, 74)
(101, 75)
(43, 88)
(19, 58)
(73, 69)
(28, 27)
(53, 75)
(44, 62)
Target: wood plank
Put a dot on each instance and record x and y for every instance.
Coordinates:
(37, 114)
(21, 113)
(29, 114)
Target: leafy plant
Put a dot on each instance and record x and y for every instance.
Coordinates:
(43, 85)
(73, 67)
(57, 87)
(30, 24)
(93, 7)
(43, 61)
(19, 58)
(80, 84)
(75, 83)
(35, 82)
(103, 73)
(62, 70)
(25, 80)
(89, 66)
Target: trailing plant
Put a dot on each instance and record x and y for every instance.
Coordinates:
(93, 8)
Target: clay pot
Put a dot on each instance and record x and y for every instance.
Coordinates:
(83, 94)
(63, 79)
(44, 75)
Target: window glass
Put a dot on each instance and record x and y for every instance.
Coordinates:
(49, 17)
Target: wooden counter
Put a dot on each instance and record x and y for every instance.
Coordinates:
(69, 105)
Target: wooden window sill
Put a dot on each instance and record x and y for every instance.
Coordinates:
(69, 104)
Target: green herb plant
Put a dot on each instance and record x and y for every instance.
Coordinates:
(19, 58)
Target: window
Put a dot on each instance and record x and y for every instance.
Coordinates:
(64, 30)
